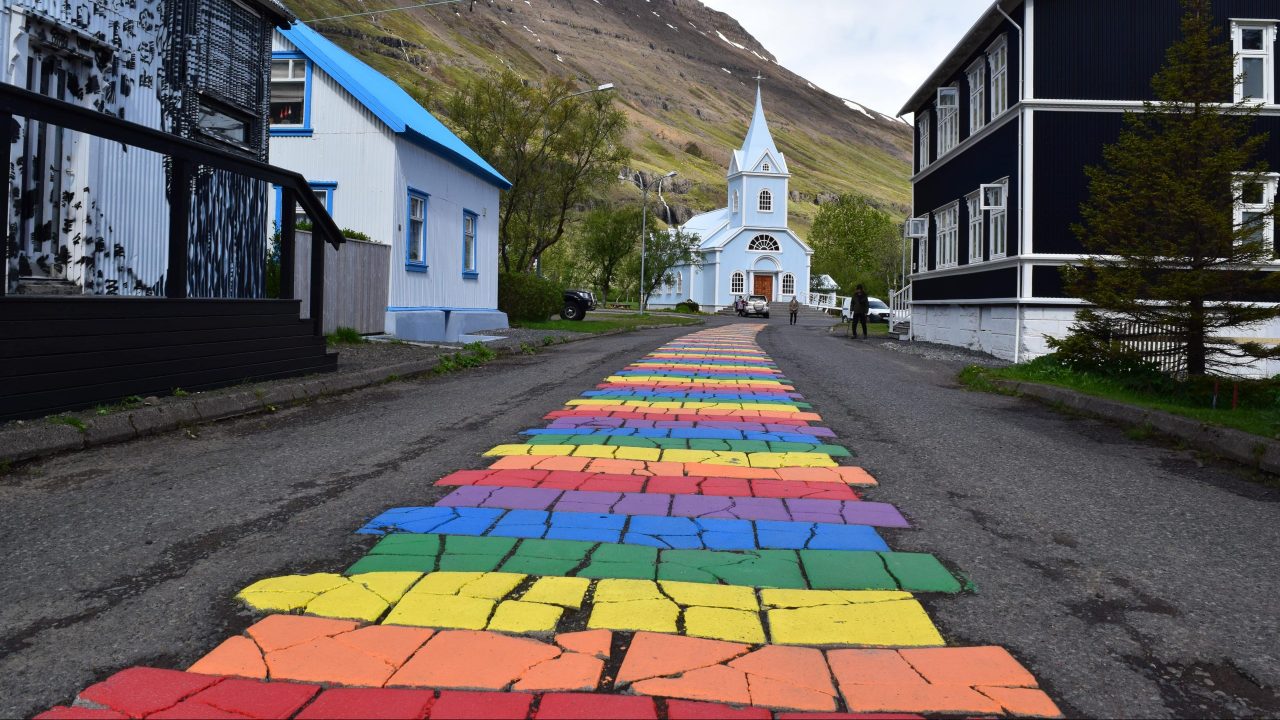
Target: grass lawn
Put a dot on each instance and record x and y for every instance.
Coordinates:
(1258, 412)
(604, 323)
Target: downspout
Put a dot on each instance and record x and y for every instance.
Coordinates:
(1022, 123)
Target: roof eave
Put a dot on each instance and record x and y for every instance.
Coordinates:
(276, 12)
(488, 174)
(972, 40)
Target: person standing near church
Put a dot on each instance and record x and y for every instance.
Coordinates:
(860, 308)
(794, 307)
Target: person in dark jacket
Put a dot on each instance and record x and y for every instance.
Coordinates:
(794, 308)
(860, 308)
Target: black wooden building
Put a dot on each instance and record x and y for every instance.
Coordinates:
(134, 223)
(1024, 103)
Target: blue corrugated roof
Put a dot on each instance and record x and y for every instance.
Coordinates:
(389, 102)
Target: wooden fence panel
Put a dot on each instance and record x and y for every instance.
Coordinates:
(356, 280)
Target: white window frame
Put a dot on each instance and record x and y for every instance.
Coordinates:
(977, 76)
(1270, 189)
(925, 131)
(947, 221)
(765, 204)
(788, 278)
(679, 283)
(766, 167)
(977, 221)
(922, 256)
(948, 119)
(738, 283)
(735, 201)
(998, 226)
(1267, 55)
(998, 62)
(777, 248)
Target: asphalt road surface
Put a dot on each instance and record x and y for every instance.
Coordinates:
(1132, 578)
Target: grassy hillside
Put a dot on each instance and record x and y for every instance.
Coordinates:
(683, 74)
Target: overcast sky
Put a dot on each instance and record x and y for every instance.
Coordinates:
(874, 52)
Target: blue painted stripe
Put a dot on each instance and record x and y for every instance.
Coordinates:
(653, 531)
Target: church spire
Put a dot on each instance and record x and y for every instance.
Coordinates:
(759, 140)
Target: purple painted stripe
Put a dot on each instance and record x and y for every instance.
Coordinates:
(839, 512)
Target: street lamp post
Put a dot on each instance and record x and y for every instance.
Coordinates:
(644, 229)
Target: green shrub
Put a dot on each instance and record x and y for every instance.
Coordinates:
(344, 336)
(527, 297)
(688, 306)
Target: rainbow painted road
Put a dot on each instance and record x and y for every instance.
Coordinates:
(682, 542)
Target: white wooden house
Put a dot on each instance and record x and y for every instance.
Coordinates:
(387, 168)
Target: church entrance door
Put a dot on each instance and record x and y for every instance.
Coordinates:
(764, 286)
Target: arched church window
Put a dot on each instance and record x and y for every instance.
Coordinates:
(679, 284)
(788, 284)
(764, 243)
(738, 283)
(766, 201)
(735, 201)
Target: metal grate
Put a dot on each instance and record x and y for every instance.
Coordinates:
(232, 57)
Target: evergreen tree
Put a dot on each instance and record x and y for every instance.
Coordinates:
(1159, 224)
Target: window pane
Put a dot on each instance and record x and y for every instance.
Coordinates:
(279, 69)
(1253, 194)
(415, 241)
(222, 125)
(1254, 86)
(1251, 39)
(287, 100)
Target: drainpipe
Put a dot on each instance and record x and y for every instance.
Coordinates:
(1022, 124)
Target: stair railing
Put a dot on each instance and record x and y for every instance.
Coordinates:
(186, 157)
(900, 307)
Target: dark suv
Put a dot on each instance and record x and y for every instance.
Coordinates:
(577, 303)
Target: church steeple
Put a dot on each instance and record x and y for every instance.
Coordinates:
(758, 142)
(758, 177)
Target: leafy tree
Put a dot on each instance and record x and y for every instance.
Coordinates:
(665, 251)
(608, 238)
(856, 243)
(1164, 247)
(554, 149)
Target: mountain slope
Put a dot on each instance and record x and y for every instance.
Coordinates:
(684, 73)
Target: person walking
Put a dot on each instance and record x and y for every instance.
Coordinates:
(794, 307)
(860, 307)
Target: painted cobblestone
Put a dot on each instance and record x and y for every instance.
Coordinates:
(689, 506)
(670, 485)
(653, 530)
(806, 569)
(689, 512)
(516, 603)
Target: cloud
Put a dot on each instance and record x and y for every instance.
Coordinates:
(875, 52)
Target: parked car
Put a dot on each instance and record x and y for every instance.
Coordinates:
(756, 305)
(879, 311)
(577, 303)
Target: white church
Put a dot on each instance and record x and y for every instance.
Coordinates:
(747, 247)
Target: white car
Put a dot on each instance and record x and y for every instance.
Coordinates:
(879, 311)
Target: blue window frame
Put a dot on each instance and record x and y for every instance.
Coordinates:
(415, 231)
(470, 224)
(290, 113)
(324, 190)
